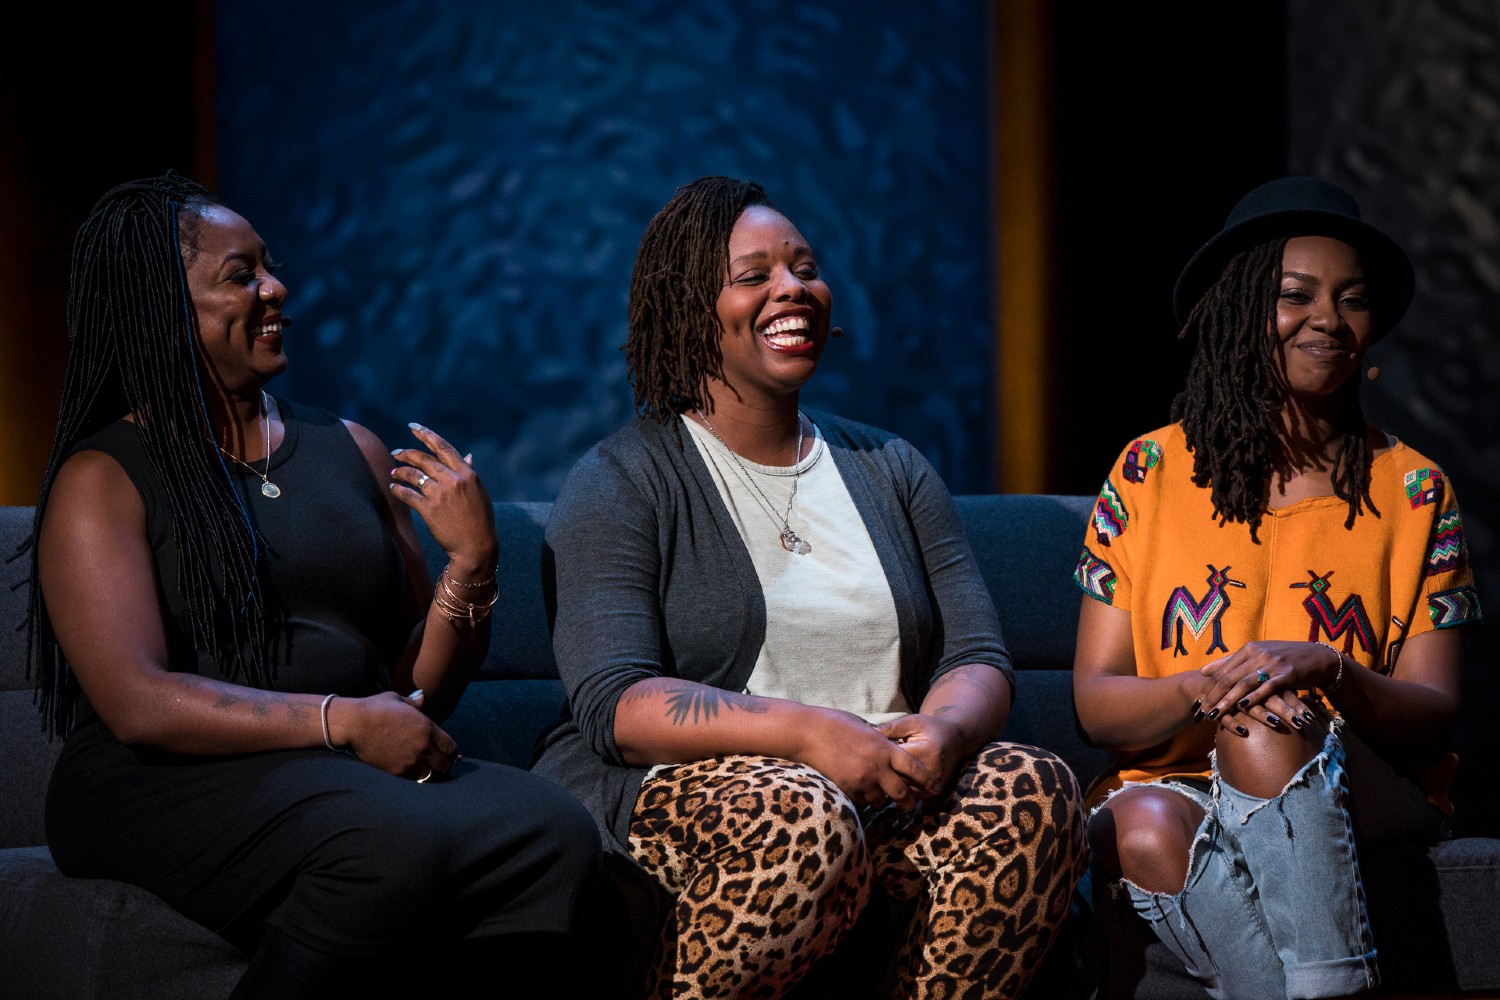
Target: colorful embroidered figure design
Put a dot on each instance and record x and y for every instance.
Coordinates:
(1423, 486)
(1393, 647)
(1453, 607)
(1096, 577)
(1140, 459)
(1348, 621)
(1183, 610)
(1110, 518)
(1448, 549)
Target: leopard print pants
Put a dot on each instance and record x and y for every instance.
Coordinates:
(770, 864)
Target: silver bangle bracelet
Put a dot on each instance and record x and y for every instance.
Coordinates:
(323, 714)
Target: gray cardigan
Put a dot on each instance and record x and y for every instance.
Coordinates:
(652, 578)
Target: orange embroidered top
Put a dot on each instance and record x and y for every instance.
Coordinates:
(1197, 589)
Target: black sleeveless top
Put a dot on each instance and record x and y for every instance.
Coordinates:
(330, 571)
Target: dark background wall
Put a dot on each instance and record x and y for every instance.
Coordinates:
(457, 191)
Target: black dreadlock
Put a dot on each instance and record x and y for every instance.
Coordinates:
(673, 347)
(132, 330)
(1230, 408)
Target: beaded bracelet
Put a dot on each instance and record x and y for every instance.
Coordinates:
(1338, 677)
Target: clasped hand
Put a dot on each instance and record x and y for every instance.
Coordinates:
(901, 762)
(1261, 679)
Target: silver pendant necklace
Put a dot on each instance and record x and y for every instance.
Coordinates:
(268, 489)
(790, 540)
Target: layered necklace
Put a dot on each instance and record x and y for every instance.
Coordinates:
(790, 540)
(268, 489)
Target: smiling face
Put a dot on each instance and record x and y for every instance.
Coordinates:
(1323, 320)
(237, 300)
(773, 307)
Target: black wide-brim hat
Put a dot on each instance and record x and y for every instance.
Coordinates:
(1302, 206)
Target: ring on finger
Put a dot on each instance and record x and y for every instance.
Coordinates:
(423, 480)
(1262, 677)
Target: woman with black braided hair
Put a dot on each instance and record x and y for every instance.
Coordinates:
(1270, 639)
(786, 679)
(233, 625)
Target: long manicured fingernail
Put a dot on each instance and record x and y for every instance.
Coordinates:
(1244, 703)
(1196, 705)
(1242, 730)
(396, 451)
(1274, 721)
(1198, 715)
(1296, 721)
(1309, 717)
(415, 694)
(1214, 714)
(416, 427)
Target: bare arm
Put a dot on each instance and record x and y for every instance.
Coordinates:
(667, 720)
(443, 652)
(98, 578)
(1411, 713)
(1118, 709)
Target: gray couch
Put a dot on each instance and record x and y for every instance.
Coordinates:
(1437, 912)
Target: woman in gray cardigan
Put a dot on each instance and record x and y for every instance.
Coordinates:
(786, 679)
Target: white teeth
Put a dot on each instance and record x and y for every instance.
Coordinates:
(266, 328)
(787, 331)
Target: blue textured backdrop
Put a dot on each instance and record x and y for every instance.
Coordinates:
(456, 191)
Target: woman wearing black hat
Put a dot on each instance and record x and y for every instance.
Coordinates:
(1270, 641)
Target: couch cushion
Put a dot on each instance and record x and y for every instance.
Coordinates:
(1026, 547)
(67, 938)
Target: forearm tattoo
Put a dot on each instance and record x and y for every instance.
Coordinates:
(262, 703)
(701, 704)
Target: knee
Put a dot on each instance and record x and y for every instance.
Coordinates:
(1145, 836)
(1259, 760)
(569, 835)
(813, 825)
(1038, 792)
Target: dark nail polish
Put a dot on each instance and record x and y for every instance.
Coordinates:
(1196, 705)
(1309, 717)
(1297, 722)
(1214, 714)
(1198, 715)
(1242, 730)
(1244, 703)
(1274, 721)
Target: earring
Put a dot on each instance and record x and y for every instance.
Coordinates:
(1372, 373)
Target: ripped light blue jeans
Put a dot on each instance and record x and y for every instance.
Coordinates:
(1273, 905)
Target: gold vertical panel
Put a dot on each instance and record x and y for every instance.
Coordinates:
(1024, 253)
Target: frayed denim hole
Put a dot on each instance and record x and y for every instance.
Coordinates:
(1319, 765)
(1122, 886)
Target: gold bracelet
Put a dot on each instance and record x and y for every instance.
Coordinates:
(447, 572)
(1338, 677)
(457, 609)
